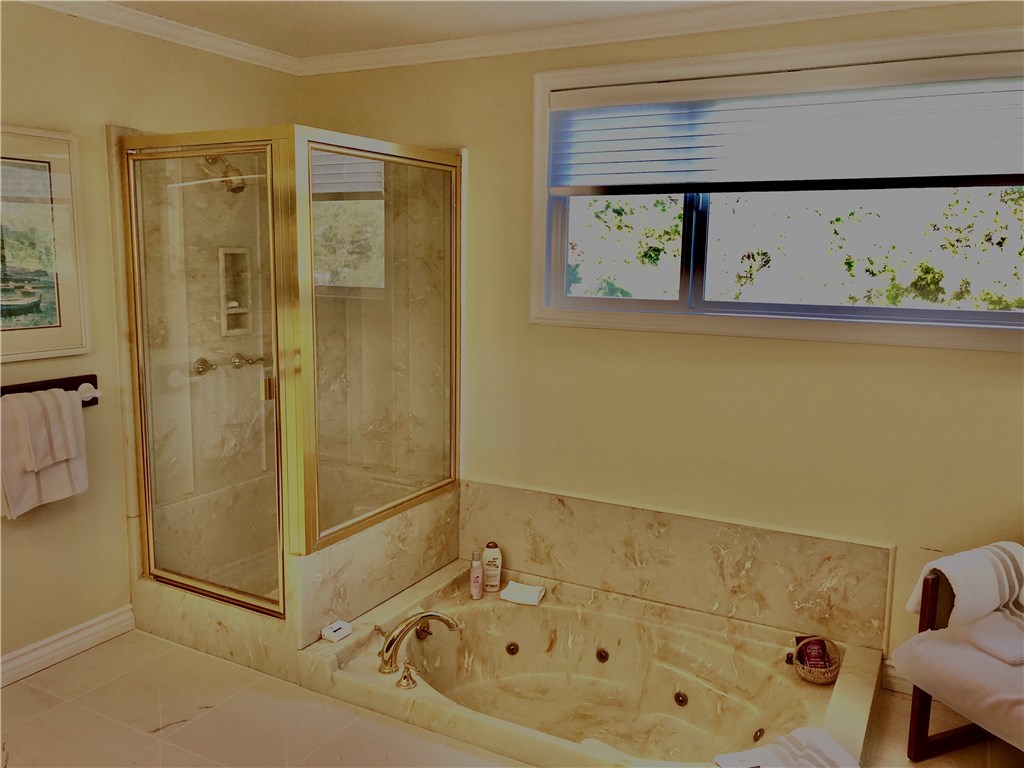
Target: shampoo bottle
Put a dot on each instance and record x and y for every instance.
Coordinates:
(492, 567)
(476, 577)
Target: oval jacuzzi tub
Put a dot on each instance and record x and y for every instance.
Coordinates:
(591, 677)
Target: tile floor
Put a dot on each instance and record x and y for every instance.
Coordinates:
(887, 740)
(138, 700)
(141, 701)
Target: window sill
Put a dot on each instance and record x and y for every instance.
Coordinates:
(801, 329)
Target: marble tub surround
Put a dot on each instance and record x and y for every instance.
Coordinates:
(348, 578)
(814, 585)
(733, 673)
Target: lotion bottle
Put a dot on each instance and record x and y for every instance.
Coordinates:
(492, 567)
(476, 577)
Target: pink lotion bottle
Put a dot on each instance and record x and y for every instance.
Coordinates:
(476, 577)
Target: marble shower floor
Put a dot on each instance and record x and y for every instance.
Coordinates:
(138, 700)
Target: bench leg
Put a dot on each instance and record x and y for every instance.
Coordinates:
(921, 745)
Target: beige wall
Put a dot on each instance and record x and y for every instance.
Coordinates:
(68, 562)
(921, 448)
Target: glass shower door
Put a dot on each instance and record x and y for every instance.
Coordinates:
(383, 257)
(205, 339)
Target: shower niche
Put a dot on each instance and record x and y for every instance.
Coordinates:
(235, 291)
(294, 318)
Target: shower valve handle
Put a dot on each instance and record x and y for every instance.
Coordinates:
(238, 360)
(202, 365)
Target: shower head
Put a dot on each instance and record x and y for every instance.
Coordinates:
(229, 174)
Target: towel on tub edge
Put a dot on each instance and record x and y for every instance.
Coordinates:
(801, 748)
(988, 611)
(524, 594)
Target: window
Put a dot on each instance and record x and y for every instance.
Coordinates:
(347, 223)
(882, 201)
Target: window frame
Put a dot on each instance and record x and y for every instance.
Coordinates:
(981, 54)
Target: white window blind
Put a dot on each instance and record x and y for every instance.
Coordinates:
(333, 174)
(969, 127)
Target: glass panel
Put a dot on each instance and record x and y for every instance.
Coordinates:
(624, 246)
(348, 215)
(943, 248)
(207, 340)
(384, 350)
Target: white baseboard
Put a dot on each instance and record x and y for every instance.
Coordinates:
(32, 658)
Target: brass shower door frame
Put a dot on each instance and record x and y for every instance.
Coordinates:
(293, 385)
(305, 535)
(275, 144)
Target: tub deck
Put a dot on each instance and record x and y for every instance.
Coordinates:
(554, 702)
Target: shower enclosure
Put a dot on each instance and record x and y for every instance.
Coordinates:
(294, 329)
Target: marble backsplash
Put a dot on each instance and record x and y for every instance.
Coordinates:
(785, 580)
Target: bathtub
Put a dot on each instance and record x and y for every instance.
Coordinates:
(590, 677)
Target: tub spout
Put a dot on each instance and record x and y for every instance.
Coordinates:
(393, 639)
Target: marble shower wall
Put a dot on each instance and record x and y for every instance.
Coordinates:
(221, 537)
(231, 424)
(383, 358)
(352, 576)
(353, 490)
(785, 580)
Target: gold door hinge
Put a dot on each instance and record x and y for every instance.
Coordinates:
(269, 388)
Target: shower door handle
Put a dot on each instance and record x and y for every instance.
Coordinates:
(268, 388)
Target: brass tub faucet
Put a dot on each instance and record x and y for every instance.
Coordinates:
(393, 639)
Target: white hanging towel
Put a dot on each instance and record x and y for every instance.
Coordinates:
(988, 609)
(36, 430)
(983, 580)
(46, 427)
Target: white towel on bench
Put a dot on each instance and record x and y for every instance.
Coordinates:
(802, 748)
(988, 611)
(999, 634)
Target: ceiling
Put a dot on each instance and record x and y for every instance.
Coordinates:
(304, 38)
(302, 29)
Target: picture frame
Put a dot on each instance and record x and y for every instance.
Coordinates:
(42, 274)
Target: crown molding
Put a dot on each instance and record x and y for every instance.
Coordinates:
(701, 17)
(172, 32)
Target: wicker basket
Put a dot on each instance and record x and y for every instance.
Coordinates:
(813, 674)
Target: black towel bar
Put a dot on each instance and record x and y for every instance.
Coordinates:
(70, 383)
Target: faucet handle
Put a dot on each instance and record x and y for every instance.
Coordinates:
(423, 631)
(406, 680)
(380, 630)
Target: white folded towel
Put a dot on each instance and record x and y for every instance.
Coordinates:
(25, 489)
(802, 748)
(999, 634)
(988, 611)
(523, 594)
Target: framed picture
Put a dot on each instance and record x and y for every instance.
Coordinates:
(42, 289)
